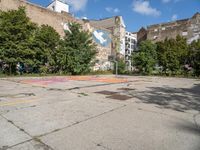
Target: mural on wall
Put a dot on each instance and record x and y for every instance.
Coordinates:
(65, 26)
(102, 38)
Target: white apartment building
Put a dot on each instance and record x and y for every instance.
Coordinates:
(59, 6)
(131, 45)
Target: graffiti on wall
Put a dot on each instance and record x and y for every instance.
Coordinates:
(65, 26)
(102, 38)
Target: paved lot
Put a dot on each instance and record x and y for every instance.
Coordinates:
(99, 113)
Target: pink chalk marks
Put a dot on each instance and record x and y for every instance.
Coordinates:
(45, 81)
(54, 80)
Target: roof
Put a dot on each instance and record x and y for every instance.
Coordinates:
(111, 18)
(62, 1)
(176, 21)
(168, 23)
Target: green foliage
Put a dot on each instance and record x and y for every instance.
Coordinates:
(172, 54)
(146, 59)
(40, 49)
(194, 56)
(121, 67)
(44, 43)
(76, 51)
(15, 33)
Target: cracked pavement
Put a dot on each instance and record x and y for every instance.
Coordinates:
(86, 113)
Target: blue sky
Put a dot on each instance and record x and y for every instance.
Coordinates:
(136, 13)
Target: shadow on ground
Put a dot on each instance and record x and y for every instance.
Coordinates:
(190, 128)
(179, 99)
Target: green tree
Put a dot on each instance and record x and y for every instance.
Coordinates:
(146, 58)
(76, 50)
(16, 30)
(121, 66)
(194, 56)
(44, 43)
(172, 54)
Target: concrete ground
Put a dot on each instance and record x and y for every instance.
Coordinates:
(99, 113)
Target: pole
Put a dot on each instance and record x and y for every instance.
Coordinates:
(116, 67)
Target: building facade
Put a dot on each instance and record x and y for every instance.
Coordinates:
(59, 6)
(130, 47)
(188, 28)
(117, 28)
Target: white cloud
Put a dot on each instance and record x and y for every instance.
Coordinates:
(174, 17)
(116, 10)
(77, 5)
(112, 10)
(143, 7)
(84, 17)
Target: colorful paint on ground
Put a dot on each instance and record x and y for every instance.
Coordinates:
(44, 81)
(47, 81)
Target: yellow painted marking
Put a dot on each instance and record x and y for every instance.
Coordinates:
(16, 102)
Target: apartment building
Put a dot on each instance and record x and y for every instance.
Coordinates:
(131, 45)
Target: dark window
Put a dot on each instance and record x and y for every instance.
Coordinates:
(53, 7)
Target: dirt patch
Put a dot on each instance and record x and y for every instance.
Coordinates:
(125, 89)
(119, 97)
(106, 92)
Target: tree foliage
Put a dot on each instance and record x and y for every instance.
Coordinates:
(121, 66)
(76, 50)
(194, 56)
(172, 54)
(40, 47)
(15, 34)
(44, 43)
(146, 58)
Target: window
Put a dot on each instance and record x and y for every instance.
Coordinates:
(163, 28)
(128, 52)
(184, 33)
(53, 7)
(132, 46)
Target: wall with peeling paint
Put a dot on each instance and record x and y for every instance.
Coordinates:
(188, 28)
